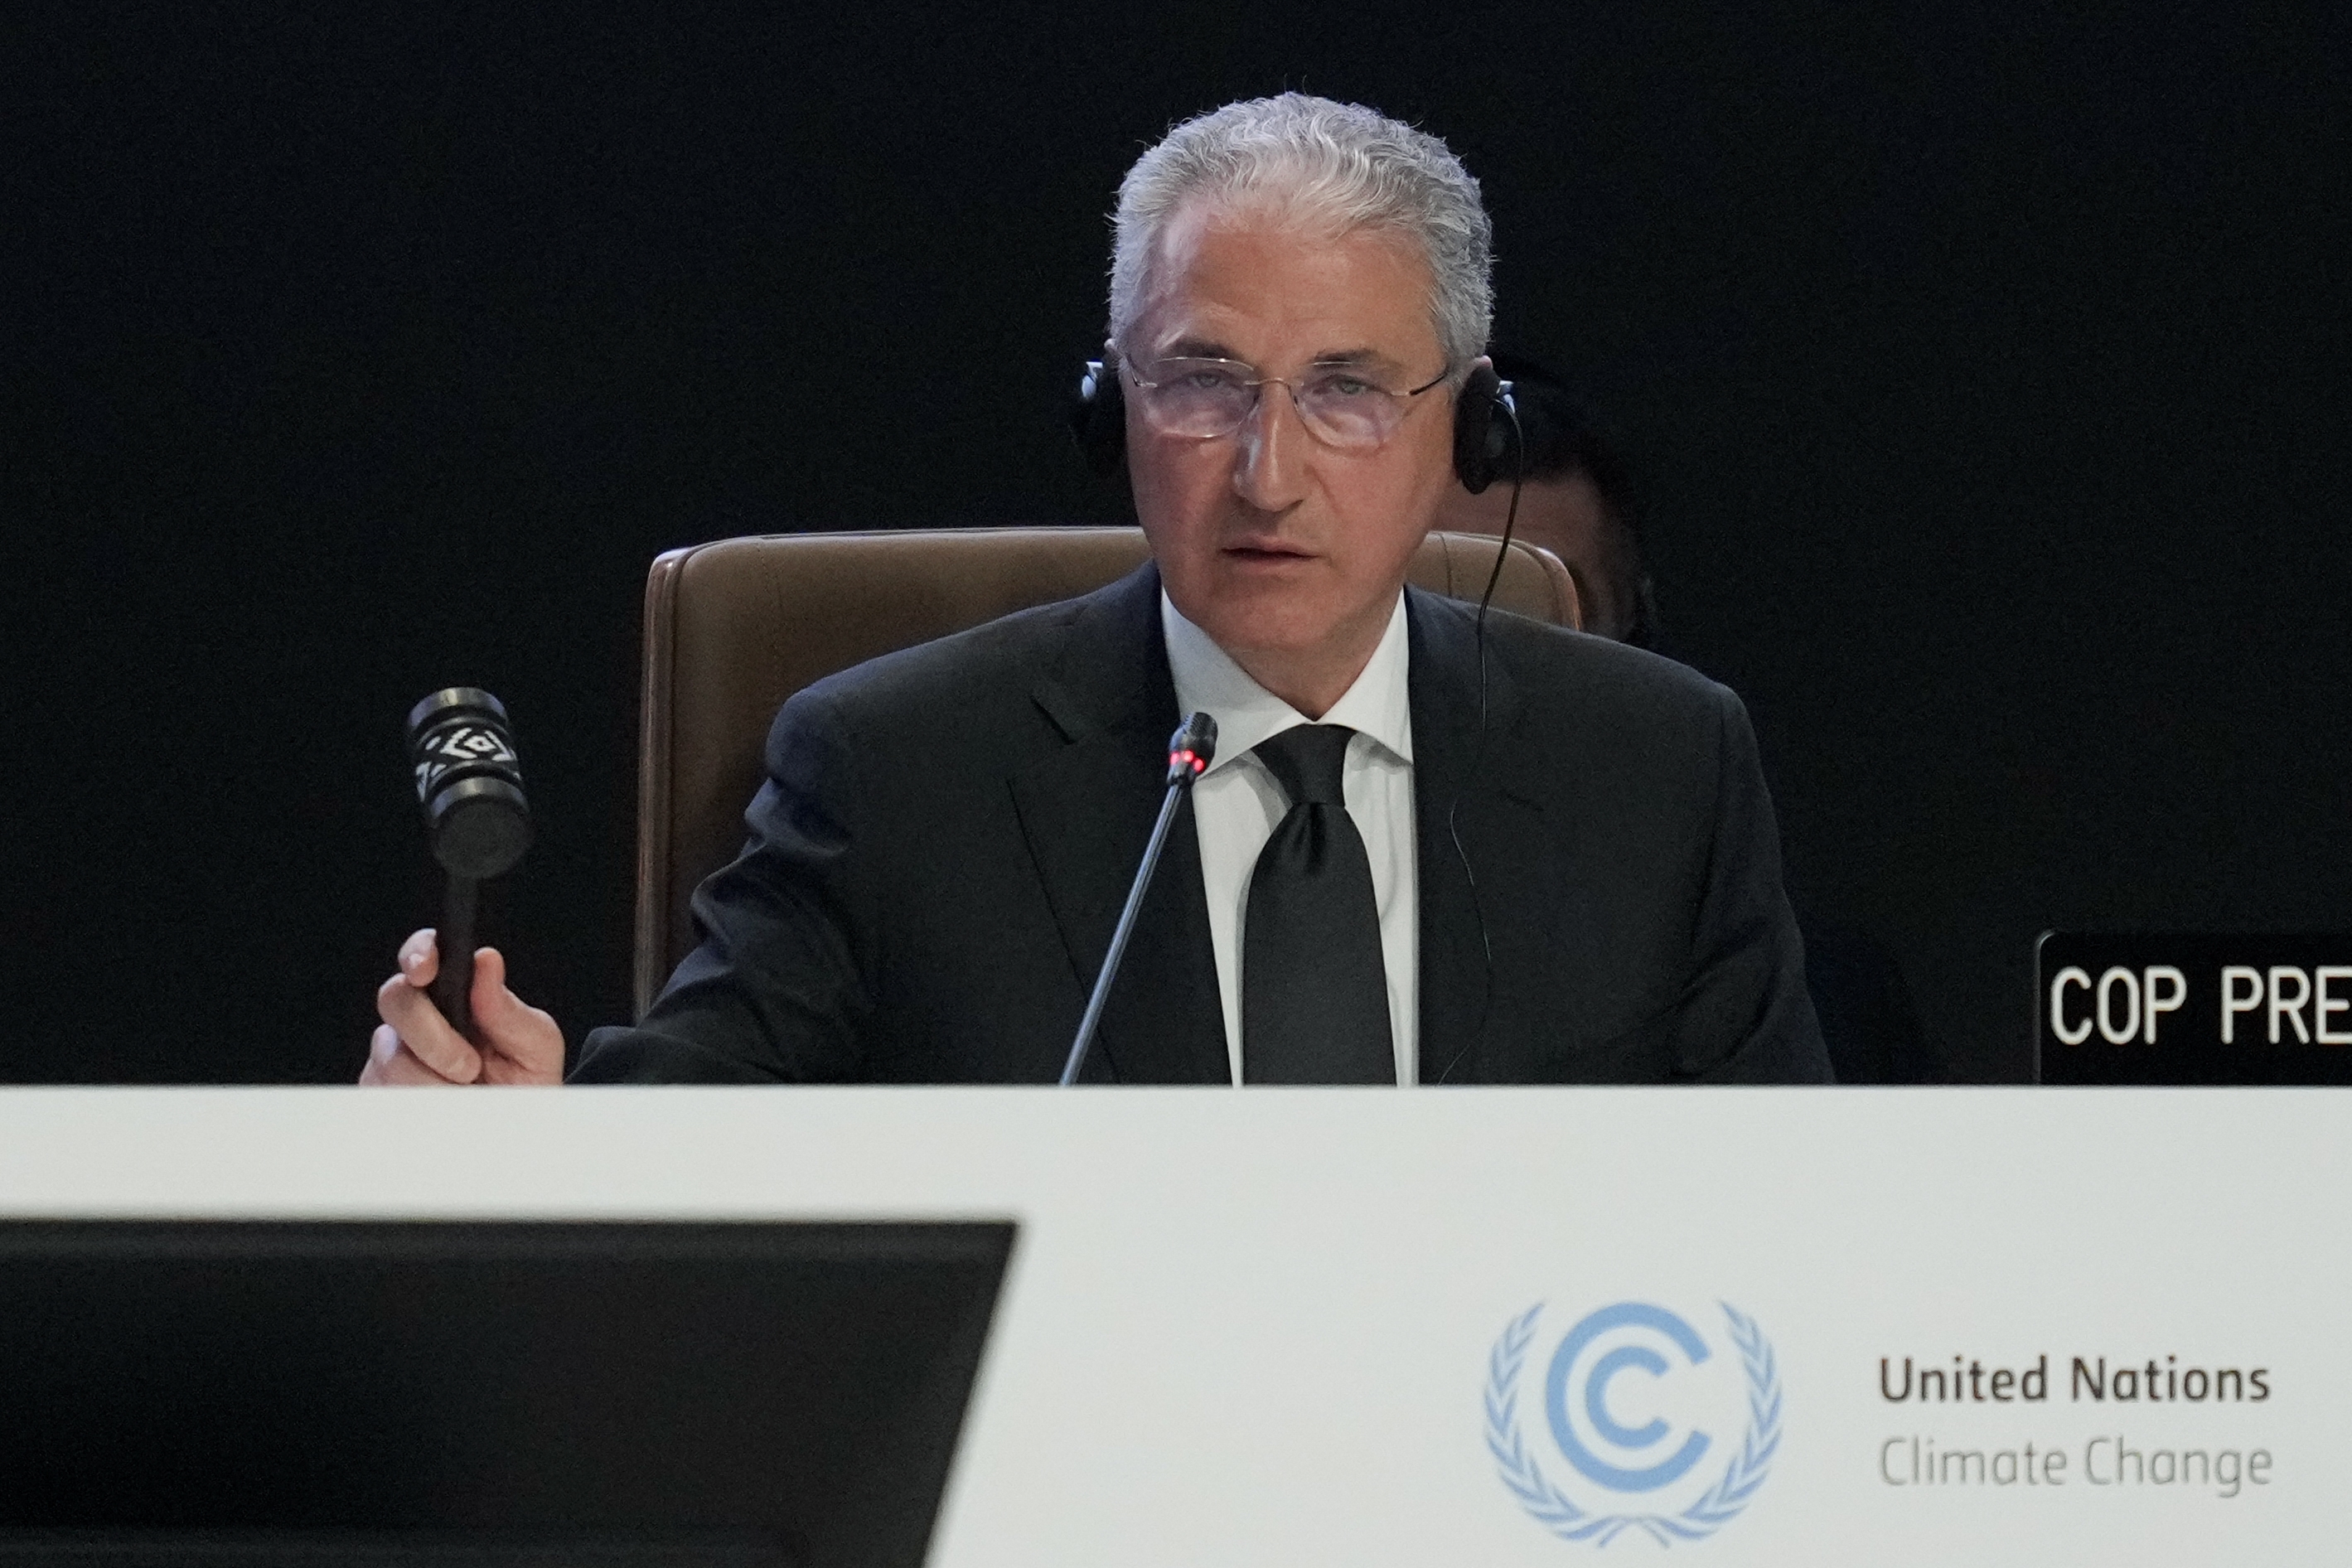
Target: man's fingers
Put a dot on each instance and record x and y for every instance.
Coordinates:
(420, 960)
(510, 1027)
(490, 979)
(405, 1071)
(423, 1029)
(520, 1044)
(392, 1064)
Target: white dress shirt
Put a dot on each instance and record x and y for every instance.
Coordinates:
(1237, 804)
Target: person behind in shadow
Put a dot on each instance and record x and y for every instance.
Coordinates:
(1578, 503)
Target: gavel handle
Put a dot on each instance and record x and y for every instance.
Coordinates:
(452, 986)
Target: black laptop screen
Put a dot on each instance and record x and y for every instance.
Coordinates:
(500, 1395)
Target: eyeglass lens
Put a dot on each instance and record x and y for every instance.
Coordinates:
(1208, 398)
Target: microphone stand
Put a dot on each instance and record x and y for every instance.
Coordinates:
(1190, 752)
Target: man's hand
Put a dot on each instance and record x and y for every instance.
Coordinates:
(516, 1044)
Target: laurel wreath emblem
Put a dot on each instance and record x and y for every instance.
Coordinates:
(1550, 1508)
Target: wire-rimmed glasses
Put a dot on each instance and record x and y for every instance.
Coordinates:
(1343, 406)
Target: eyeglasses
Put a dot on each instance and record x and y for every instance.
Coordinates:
(1342, 405)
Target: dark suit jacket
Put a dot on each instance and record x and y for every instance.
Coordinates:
(947, 834)
(1868, 1022)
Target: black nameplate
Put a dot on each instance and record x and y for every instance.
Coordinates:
(2175, 1009)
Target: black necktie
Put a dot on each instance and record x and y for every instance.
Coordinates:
(1315, 996)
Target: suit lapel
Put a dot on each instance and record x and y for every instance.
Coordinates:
(1477, 789)
(1087, 810)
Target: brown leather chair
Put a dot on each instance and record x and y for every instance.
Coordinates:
(734, 628)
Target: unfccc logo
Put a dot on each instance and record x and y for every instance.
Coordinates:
(1633, 1416)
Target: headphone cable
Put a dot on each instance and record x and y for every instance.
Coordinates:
(1503, 400)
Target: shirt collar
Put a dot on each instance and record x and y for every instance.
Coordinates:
(1378, 705)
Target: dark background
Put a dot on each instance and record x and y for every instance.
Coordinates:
(1985, 362)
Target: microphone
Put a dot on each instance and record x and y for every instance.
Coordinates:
(469, 782)
(1191, 750)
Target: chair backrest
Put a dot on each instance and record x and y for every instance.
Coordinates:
(734, 628)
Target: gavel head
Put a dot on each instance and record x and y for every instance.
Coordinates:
(469, 782)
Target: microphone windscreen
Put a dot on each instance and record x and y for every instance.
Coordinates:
(469, 782)
(1192, 749)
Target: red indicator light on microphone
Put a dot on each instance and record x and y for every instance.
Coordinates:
(1191, 750)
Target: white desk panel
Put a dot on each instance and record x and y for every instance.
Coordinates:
(1264, 1328)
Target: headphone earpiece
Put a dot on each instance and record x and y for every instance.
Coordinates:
(1098, 417)
(1482, 435)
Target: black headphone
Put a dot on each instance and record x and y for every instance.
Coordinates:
(1483, 450)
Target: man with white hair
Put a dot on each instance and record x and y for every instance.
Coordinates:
(1425, 853)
